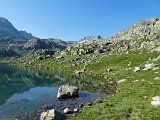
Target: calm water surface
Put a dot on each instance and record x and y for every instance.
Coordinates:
(23, 90)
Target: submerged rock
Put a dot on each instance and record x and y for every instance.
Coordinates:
(48, 115)
(66, 91)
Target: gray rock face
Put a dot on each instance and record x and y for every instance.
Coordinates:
(150, 66)
(36, 44)
(8, 30)
(90, 38)
(48, 115)
(157, 49)
(66, 91)
(147, 45)
(141, 29)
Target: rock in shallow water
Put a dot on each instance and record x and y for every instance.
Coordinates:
(66, 91)
(48, 115)
(75, 110)
(66, 111)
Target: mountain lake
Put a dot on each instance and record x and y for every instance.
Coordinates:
(24, 91)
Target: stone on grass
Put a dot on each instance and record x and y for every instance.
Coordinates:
(78, 72)
(155, 68)
(135, 80)
(121, 81)
(109, 70)
(157, 78)
(66, 91)
(155, 101)
(136, 69)
(157, 59)
(150, 66)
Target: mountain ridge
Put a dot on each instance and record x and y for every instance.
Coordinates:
(140, 29)
(8, 30)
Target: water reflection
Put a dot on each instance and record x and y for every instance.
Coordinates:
(24, 90)
(17, 80)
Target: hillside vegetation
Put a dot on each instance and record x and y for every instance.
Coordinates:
(131, 58)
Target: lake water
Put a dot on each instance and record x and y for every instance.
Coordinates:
(24, 91)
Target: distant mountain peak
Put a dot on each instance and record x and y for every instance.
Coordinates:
(8, 30)
(92, 38)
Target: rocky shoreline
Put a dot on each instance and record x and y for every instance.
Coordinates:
(75, 106)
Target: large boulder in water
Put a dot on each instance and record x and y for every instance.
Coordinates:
(66, 91)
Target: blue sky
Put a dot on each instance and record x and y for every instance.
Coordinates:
(75, 19)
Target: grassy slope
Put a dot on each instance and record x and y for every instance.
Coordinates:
(130, 102)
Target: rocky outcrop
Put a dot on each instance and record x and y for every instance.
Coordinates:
(8, 53)
(66, 91)
(144, 29)
(150, 66)
(143, 35)
(37, 44)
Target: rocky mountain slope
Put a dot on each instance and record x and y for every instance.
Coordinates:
(9, 31)
(15, 44)
(21, 48)
(146, 28)
(144, 35)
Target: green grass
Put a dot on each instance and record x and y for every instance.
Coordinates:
(132, 99)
